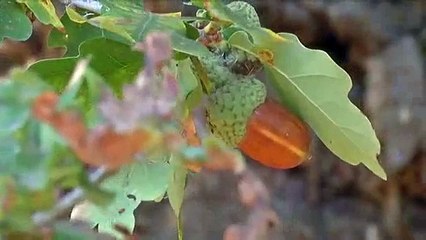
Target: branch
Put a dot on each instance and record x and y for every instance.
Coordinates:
(91, 5)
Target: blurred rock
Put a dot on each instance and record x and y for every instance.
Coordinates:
(394, 100)
(392, 19)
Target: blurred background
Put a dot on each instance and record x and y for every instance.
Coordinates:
(382, 45)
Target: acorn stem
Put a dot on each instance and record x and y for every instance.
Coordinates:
(205, 82)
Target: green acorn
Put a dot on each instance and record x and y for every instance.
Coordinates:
(230, 106)
(216, 71)
(247, 11)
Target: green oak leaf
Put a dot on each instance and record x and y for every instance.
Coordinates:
(19, 134)
(116, 62)
(198, 3)
(9, 149)
(191, 31)
(74, 15)
(176, 189)
(316, 88)
(14, 23)
(127, 22)
(122, 8)
(117, 16)
(141, 24)
(75, 33)
(222, 12)
(44, 11)
(111, 24)
(12, 116)
(30, 167)
(188, 83)
(16, 95)
(132, 184)
(67, 231)
(312, 85)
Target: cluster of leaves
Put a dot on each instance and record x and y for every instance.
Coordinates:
(81, 107)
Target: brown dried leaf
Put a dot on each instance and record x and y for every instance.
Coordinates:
(99, 147)
(106, 147)
(190, 132)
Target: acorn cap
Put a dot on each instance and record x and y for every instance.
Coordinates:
(246, 10)
(230, 107)
(217, 73)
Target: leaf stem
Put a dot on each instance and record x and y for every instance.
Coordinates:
(205, 82)
(180, 227)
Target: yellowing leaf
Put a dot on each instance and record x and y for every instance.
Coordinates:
(172, 14)
(74, 15)
(45, 11)
(111, 24)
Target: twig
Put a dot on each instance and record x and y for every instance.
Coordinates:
(77, 75)
(91, 5)
(68, 201)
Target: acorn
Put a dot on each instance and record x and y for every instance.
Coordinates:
(230, 106)
(240, 114)
(216, 71)
(275, 137)
(245, 10)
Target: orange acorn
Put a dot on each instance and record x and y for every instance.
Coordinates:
(240, 114)
(275, 137)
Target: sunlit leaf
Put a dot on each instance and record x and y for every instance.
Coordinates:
(122, 8)
(111, 24)
(316, 88)
(312, 85)
(74, 15)
(44, 11)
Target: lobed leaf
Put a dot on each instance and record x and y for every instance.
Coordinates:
(74, 34)
(131, 185)
(149, 22)
(117, 63)
(312, 86)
